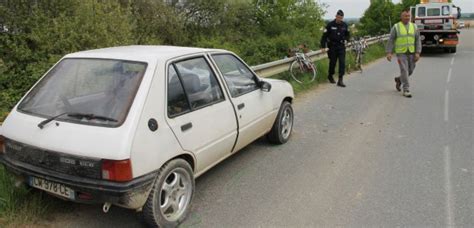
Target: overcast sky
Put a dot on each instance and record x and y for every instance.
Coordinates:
(355, 8)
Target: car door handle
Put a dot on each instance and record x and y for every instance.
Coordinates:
(241, 106)
(186, 126)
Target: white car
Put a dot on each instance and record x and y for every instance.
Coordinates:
(134, 126)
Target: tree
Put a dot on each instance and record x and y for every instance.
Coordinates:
(378, 18)
(36, 34)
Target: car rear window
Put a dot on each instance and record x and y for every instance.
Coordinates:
(98, 87)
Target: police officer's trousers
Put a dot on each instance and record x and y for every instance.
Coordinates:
(334, 54)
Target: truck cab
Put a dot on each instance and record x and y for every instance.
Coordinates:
(437, 22)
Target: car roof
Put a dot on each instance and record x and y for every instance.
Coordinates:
(140, 52)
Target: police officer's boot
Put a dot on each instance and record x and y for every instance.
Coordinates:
(331, 80)
(340, 83)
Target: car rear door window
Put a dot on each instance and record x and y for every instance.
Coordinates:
(193, 81)
(238, 77)
(177, 100)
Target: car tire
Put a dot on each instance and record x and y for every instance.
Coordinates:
(173, 189)
(453, 50)
(281, 130)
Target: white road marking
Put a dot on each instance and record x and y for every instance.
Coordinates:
(452, 61)
(449, 75)
(446, 106)
(449, 196)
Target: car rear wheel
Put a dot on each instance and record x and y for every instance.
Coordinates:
(281, 130)
(169, 201)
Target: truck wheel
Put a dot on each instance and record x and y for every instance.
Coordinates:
(283, 125)
(453, 50)
(169, 201)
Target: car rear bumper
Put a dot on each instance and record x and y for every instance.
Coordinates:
(132, 194)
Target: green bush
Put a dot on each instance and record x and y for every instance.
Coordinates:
(35, 36)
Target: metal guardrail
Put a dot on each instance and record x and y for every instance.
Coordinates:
(280, 66)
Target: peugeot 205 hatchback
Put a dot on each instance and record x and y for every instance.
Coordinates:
(134, 126)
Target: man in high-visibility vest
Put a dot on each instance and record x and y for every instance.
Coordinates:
(405, 41)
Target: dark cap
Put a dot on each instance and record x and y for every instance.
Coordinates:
(340, 13)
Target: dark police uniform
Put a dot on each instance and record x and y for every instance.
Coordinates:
(334, 38)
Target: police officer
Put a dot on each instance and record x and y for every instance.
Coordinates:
(335, 36)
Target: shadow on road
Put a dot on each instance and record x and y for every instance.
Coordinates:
(93, 216)
(434, 53)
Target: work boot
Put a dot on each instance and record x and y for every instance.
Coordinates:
(398, 84)
(406, 93)
(331, 80)
(340, 83)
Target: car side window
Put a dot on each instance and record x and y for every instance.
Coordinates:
(177, 100)
(199, 82)
(238, 77)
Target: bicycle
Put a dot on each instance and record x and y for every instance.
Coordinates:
(358, 46)
(302, 69)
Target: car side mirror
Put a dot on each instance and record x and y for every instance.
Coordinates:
(265, 86)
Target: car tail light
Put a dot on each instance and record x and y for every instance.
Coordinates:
(2, 144)
(117, 170)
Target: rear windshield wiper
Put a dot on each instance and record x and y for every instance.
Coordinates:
(77, 116)
(90, 116)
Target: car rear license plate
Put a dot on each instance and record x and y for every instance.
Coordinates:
(52, 187)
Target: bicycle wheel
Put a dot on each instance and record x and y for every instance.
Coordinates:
(312, 70)
(358, 61)
(302, 73)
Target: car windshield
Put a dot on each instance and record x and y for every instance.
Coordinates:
(98, 87)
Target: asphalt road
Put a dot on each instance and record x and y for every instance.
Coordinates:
(360, 156)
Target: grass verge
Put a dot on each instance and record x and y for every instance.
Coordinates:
(374, 52)
(20, 206)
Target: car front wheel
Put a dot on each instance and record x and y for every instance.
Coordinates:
(283, 125)
(169, 201)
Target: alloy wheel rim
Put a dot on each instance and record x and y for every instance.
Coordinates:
(286, 123)
(175, 194)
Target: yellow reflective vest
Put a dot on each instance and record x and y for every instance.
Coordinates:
(405, 41)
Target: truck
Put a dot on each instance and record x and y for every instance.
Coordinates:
(437, 22)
